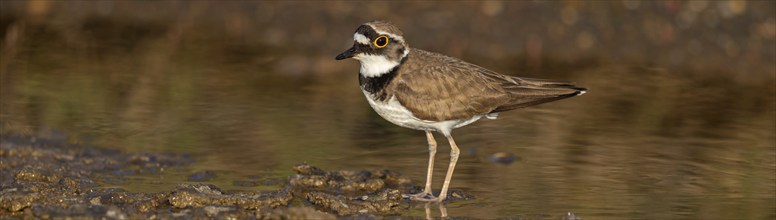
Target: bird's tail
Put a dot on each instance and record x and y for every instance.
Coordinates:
(529, 92)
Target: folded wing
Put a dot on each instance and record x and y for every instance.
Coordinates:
(454, 89)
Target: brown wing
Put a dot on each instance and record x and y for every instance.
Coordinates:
(436, 87)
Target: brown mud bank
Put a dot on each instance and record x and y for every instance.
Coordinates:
(43, 179)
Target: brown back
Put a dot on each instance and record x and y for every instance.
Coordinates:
(437, 87)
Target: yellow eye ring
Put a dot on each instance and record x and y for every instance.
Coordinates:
(380, 41)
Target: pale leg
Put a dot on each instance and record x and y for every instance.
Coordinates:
(454, 152)
(426, 195)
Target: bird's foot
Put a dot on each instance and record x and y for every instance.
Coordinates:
(423, 197)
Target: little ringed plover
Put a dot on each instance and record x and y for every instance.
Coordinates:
(427, 91)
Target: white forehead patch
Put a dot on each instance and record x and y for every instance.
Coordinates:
(360, 38)
(394, 36)
(397, 37)
(375, 65)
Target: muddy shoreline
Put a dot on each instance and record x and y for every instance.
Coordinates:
(46, 179)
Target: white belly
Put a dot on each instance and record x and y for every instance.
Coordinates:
(394, 112)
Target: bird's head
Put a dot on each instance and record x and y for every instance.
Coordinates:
(379, 46)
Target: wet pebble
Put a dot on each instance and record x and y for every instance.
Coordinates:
(201, 195)
(384, 202)
(503, 158)
(244, 183)
(201, 176)
(16, 199)
(456, 194)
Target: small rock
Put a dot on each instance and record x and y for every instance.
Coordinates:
(202, 176)
(15, 200)
(503, 158)
(95, 201)
(456, 194)
(306, 169)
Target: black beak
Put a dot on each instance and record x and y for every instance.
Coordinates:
(348, 53)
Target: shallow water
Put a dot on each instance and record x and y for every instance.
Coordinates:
(643, 143)
(636, 151)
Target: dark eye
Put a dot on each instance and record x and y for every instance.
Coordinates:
(381, 41)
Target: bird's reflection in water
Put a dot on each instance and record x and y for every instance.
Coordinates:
(442, 210)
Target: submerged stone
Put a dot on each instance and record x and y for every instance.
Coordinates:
(503, 158)
(350, 192)
(16, 199)
(202, 176)
(200, 195)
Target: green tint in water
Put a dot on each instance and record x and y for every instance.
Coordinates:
(642, 143)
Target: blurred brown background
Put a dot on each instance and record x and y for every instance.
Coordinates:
(736, 37)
